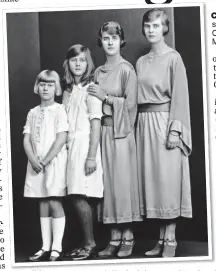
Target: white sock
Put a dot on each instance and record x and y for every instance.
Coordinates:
(58, 226)
(46, 232)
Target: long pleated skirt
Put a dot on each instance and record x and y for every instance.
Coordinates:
(164, 177)
(121, 196)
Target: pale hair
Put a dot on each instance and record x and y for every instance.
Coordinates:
(88, 76)
(154, 14)
(48, 76)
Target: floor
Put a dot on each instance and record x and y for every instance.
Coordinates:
(184, 249)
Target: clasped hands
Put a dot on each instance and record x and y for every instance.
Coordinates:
(38, 165)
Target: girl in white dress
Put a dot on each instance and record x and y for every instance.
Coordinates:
(45, 135)
(84, 169)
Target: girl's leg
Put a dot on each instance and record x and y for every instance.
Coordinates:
(114, 243)
(127, 233)
(127, 241)
(58, 225)
(116, 235)
(170, 243)
(84, 212)
(157, 250)
(170, 230)
(46, 232)
(45, 222)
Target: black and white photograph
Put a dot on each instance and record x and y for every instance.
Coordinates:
(108, 145)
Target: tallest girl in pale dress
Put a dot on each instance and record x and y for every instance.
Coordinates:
(163, 133)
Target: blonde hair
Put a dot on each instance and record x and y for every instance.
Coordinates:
(88, 76)
(48, 76)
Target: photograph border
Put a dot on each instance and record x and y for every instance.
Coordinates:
(206, 135)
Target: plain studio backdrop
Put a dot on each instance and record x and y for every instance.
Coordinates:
(39, 40)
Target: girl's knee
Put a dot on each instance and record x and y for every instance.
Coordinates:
(55, 204)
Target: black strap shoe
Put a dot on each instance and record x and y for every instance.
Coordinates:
(40, 256)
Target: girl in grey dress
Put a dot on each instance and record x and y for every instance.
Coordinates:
(163, 133)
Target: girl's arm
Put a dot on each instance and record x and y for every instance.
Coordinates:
(124, 108)
(55, 149)
(179, 118)
(90, 164)
(30, 154)
(173, 140)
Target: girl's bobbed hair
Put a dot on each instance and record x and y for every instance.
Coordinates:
(112, 28)
(152, 15)
(48, 76)
(88, 76)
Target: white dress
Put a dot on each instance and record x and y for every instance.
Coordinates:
(43, 124)
(81, 109)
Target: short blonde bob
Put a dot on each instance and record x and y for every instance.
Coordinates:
(152, 15)
(48, 76)
(88, 76)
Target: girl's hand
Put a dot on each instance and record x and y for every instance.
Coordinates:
(37, 167)
(90, 166)
(173, 140)
(96, 91)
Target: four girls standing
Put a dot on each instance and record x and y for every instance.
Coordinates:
(106, 105)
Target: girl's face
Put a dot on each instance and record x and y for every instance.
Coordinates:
(46, 90)
(154, 31)
(111, 43)
(78, 65)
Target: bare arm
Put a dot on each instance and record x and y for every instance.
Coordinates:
(30, 154)
(55, 149)
(90, 165)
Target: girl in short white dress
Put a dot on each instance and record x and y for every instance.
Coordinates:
(45, 135)
(84, 169)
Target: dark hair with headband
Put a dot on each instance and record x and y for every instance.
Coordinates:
(154, 14)
(88, 76)
(112, 28)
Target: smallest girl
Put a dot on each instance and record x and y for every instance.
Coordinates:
(84, 169)
(45, 136)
